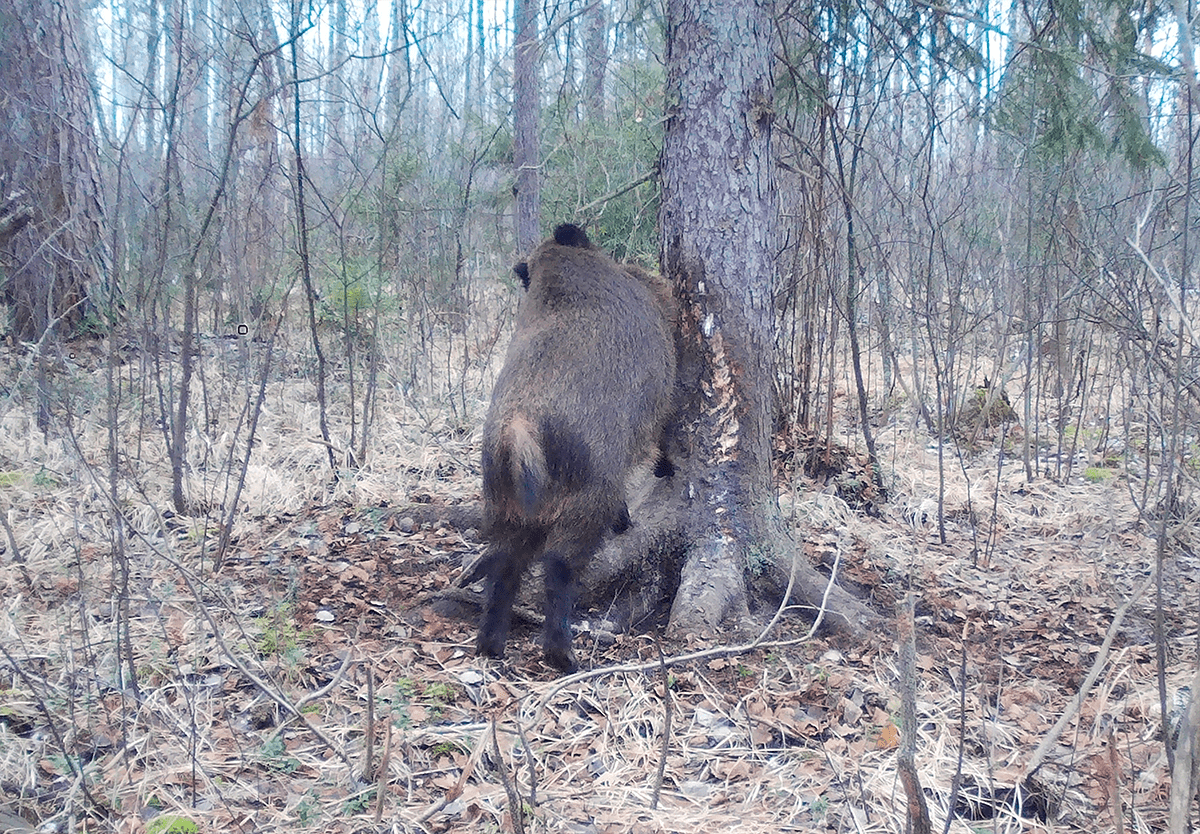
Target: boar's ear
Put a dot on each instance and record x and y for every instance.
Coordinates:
(663, 467)
(568, 234)
(522, 270)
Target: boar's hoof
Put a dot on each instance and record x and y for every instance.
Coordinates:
(488, 645)
(561, 659)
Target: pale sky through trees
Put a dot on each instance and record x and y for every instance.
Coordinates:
(442, 32)
(446, 33)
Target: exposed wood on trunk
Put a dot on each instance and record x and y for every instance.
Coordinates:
(717, 217)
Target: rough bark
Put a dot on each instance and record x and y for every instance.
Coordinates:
(717, 217)
(718, 202)
(48, 153)
(525, 125)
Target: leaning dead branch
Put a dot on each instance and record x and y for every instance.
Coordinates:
(1185, 782)
(1072, 709)
(516, 808)
(918, 810)
(666, 734)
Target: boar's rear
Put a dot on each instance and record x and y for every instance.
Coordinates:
(585, 390)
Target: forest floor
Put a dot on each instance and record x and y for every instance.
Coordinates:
(311, 684)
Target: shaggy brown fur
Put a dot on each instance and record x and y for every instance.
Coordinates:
(585, 391)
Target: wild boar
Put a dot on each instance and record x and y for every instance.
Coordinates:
(586, 388)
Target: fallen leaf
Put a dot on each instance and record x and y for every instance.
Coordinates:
(889, 737)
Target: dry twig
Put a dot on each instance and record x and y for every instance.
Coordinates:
(918, 811)
(1051, 738)
(666, 736)
(1186, 779)
(516, 809)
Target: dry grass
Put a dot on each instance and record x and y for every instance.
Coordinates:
(249, 709)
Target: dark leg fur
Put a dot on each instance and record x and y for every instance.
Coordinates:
(504, 582)
(560, 604)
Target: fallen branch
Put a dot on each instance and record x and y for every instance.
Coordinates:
(1097, 666)
(1186, 780)
(917, 809)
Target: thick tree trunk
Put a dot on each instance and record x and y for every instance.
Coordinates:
(48, 148)
(717, 217)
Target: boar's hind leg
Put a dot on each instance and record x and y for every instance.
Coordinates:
(568, 549)
(506, 563)
(560, 604)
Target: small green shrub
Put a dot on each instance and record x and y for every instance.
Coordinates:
(274, 753)
(171, 824)
(306, 809)
(358, 804)
(439, 694)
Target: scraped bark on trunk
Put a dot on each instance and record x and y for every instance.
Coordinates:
(717, 522)
(718, 206)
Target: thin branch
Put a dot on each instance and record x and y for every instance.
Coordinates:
(624, 189)
(385, 762)
(530, 762)
(516, 809)
(1051, 738)
(666, 735)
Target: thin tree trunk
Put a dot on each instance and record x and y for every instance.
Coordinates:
(846, 181)
(179, 425)
(480, 57)
(305, 272)
(525, 118)
(336, 141)
(399, 80)
(596, 61)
